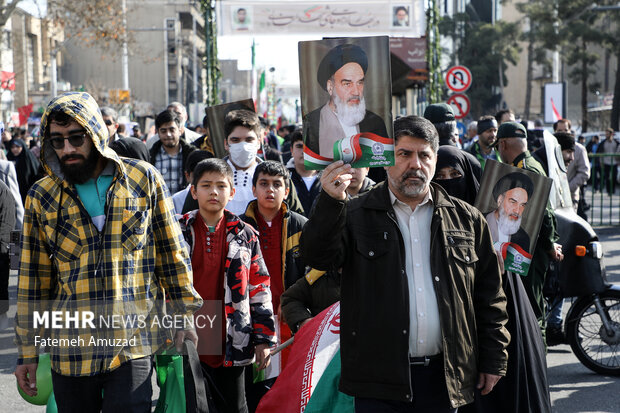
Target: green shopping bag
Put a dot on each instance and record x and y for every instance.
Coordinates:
(171, 383)
(181, 382)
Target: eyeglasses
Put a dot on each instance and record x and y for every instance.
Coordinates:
(75, 139)
(108, 122)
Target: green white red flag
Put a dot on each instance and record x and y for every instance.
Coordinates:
(309, 382)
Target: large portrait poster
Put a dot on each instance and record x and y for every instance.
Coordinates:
(215, 119)
(346, 101)
(513, 201)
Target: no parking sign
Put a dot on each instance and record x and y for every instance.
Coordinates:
(461, 105)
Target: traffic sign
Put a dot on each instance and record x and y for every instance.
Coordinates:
(458, 79)
(461, 105)
(460, 126)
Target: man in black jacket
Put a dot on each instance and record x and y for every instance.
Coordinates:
(169, 154)
(423, 311)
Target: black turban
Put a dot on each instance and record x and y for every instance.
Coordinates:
(338, 57)
(511, 181)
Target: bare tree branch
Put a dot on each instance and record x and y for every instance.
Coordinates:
(6, 10)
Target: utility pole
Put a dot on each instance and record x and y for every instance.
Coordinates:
(125, 58)
(212, 64)
(433, 53)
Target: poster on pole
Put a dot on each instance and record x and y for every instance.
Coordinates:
(346, 101)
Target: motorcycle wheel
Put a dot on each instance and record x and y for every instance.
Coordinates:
(593, 346)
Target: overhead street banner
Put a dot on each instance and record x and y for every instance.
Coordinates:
(404, 18)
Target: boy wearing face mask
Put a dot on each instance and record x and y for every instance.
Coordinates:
(242, 129)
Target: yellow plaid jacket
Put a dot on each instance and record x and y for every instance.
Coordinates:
(121, 274)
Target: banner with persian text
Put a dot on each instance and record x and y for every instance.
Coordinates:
(254, 18)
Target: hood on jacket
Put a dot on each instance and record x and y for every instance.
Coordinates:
(83, 108)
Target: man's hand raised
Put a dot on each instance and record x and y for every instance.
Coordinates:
(336, 179)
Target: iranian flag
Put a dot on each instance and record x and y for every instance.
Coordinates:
(262, 95)
(309, 382)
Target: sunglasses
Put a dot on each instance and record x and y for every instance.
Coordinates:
(108, 122)
(76, 140)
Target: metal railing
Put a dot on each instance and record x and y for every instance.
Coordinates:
(601, 189)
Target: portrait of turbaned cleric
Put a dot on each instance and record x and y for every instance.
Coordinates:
(346, 101)
(513, 201)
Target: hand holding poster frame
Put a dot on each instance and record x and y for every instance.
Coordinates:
(346, 101)
(513, 201)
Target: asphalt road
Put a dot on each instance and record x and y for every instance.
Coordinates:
(574, 388)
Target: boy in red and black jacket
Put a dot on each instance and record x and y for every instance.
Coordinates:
(228, 268)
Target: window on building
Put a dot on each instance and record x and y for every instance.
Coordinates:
(6, 40)
(30, 49)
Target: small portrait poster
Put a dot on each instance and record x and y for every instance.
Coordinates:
(346, 101)
(513, 202)
(215, 119)
(400, 16)
(242, 18)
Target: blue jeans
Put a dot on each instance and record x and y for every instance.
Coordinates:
(555, 312)
(126, 389)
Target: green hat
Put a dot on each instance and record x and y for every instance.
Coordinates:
(510, 130)
(439, 112)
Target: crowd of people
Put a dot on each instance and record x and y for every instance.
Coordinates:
(430, 321)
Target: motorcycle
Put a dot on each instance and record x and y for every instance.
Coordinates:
(592, 324)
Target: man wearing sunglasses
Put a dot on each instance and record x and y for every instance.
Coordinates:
(110, 118)
(100, 243)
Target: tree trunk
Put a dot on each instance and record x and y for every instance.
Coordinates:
(615, 107)
(584, 92)
(528, 79)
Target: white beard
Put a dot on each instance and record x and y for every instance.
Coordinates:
(506, 225)
(350, 115)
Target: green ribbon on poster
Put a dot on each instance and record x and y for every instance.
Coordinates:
(516, 259)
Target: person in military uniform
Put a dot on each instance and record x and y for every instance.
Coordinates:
(512, 146)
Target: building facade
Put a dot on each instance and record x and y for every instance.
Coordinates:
(165, 64)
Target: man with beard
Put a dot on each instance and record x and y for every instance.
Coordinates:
(401, 17)
(418, 270)
(483, 149)
(169, 154)
(342, 74)
(100, 238)
(511, 192)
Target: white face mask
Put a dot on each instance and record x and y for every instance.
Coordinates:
(242, 154)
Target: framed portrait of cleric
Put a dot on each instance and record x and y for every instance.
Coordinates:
(346, 101)
(400, 16)
(215, 119)
(513, 202)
